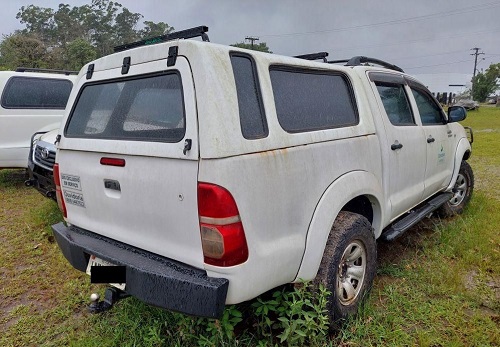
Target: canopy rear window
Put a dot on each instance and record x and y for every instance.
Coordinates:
(141, 109)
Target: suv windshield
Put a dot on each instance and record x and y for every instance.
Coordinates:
(145, 109)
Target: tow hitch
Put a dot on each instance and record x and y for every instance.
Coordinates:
(29, 183)
(111, 296)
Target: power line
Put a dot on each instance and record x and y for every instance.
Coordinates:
(447, 63)
(395, 21)
(343, 48)
(429, 55)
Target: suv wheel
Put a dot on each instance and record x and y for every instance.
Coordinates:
(348, 266)
(461, 192)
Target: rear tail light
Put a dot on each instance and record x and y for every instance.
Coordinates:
(222, 235)
(59, 196)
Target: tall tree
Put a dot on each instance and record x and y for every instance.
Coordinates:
(69, 25)
(486, 83)
(100, 21)
(38, 21)
(125, 27)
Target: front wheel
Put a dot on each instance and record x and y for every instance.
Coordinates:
(462, 192)
(348, 266)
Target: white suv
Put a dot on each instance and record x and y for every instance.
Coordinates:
(32, 100)
(210, 174)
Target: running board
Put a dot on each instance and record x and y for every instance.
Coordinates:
(415, 216)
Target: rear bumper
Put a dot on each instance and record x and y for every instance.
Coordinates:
(153, 279)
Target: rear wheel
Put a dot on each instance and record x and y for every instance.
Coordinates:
(348, 266)
(462, 192)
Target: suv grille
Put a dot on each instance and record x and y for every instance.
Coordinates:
(44, 159)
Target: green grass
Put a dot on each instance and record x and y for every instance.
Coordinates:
(438, 285)
(485, 158)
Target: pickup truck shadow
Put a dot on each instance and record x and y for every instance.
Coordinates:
(410, 244)
(12, 178)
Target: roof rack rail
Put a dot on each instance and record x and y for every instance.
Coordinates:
(35, 69)
(337, 61)
(358, 60)
(313, 56)
(183, 34)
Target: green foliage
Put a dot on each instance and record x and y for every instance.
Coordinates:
(261, 47)
(486, 83)
(23, 50)
(78, 53)
(152, 29)
(69, 37)
(296, 318)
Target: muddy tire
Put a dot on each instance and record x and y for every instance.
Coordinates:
(462, 192)
(348, 266)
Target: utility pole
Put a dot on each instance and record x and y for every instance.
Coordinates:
(476, 49)
(476, 53)
(252, 39)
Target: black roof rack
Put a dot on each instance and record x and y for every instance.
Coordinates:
(359, 60)
(314, 56)
(34, 69)
(183, 34)
(354, 61)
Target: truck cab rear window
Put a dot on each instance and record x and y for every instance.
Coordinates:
(40, 93)
(145, 109)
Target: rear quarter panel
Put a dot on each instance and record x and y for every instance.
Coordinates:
(277, 193)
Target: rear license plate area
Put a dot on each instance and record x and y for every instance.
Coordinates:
(102, 271)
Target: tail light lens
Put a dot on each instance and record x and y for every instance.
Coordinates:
(59, 196)
(222, 235)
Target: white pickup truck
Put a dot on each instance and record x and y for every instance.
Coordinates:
(200, 175)
(32, 100)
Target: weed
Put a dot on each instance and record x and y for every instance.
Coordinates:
(294, 317)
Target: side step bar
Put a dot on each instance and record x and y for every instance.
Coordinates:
(415, 216)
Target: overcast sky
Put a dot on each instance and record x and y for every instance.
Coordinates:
(423, 37)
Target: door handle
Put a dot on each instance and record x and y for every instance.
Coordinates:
(396, 145)
(430, 139)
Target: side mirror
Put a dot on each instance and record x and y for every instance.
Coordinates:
(456, 114)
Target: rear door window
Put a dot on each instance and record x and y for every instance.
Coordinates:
(143, 109)
(36, 93)
(395, 103)
(308, 100)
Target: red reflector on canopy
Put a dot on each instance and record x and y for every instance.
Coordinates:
(113, 161)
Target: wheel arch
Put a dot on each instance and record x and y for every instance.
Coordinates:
(463, 152)
(355, 191)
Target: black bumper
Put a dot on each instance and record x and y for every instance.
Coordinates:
(40, 178)
(153, 279)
